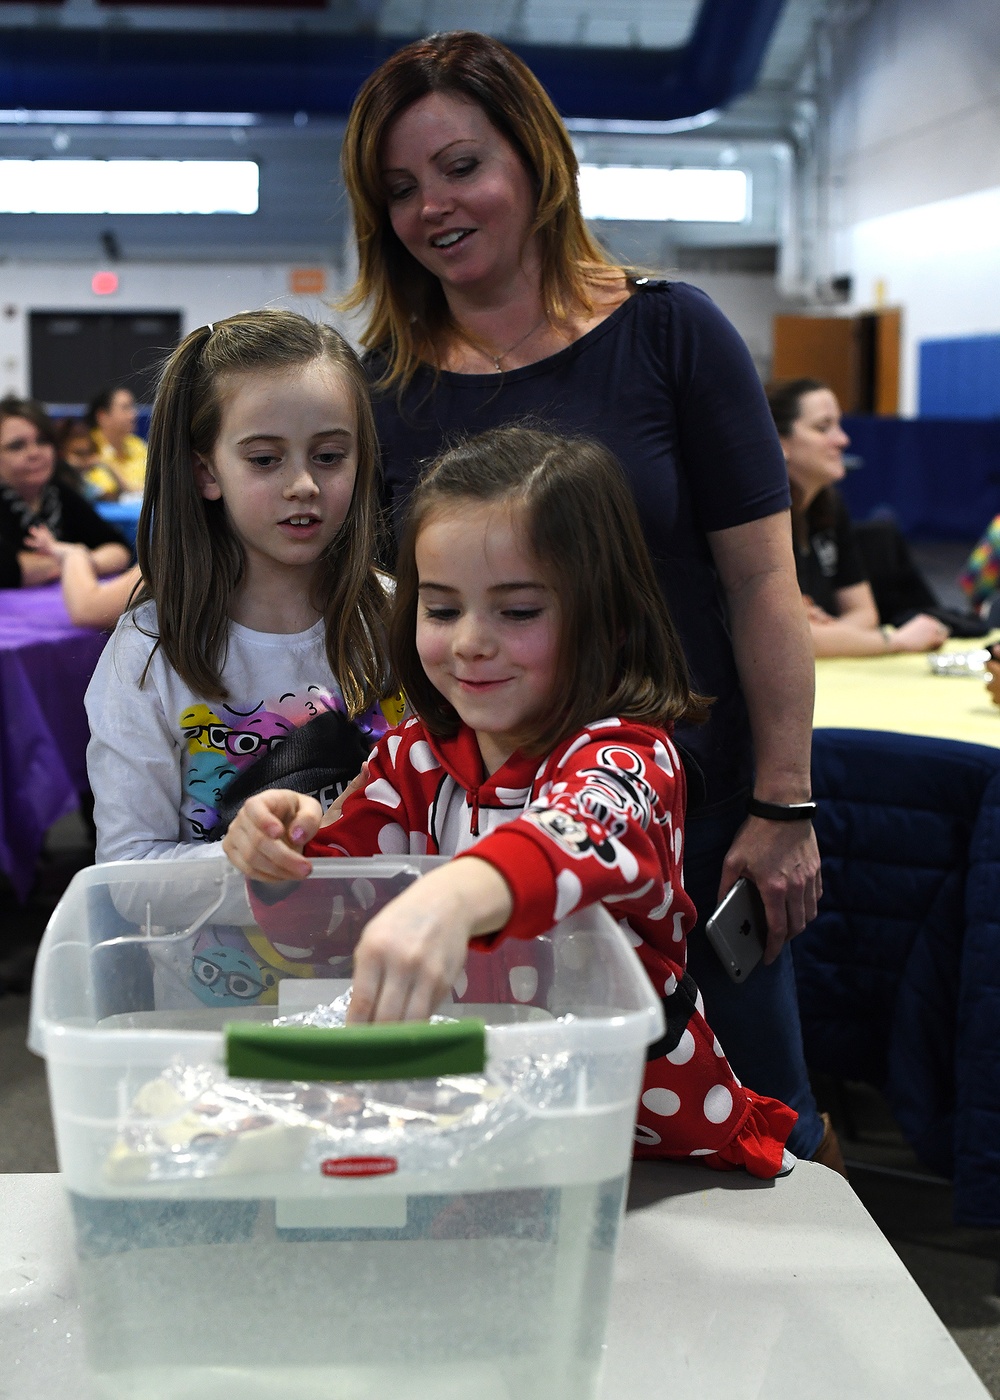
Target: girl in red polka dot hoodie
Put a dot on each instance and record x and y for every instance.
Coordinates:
(526, 606)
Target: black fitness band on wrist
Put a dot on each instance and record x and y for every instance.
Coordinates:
(782, 811)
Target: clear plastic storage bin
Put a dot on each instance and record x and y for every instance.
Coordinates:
(311, 1236)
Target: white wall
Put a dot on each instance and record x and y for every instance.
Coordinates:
(941, 263)
(915, 168)
(207, 292)
(201, 292)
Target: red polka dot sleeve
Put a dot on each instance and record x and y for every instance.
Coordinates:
(600, 820)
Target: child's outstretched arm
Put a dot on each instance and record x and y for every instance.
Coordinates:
(413, 950)
(266, 836)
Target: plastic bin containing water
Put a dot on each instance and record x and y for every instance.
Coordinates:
(322, 1237)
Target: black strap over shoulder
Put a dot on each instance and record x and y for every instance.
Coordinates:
(324, 754)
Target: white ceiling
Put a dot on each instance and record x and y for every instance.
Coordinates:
(302, 205)
(647, 24)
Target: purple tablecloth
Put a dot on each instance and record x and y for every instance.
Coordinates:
(45, 666)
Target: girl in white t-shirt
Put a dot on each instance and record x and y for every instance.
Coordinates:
(261, 607)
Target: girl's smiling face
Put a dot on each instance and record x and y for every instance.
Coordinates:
(284, 464)
(488, 622)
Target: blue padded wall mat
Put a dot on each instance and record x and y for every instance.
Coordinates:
(960, 377)
(939, 478)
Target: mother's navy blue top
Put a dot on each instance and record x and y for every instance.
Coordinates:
(668, 385)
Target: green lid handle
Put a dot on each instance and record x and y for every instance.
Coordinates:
(395, 1050)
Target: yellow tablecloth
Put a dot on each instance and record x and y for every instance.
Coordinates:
(901, 694)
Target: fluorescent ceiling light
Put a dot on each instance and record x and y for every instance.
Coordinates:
(652, 193)
(128, 186)
(626, 127)
(21, 116)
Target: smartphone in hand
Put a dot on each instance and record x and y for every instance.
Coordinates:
(738, 930)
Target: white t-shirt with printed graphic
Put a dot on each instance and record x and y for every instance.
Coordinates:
(160, 756)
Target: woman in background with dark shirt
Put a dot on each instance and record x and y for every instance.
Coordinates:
(488, 303)
(38, 508)
(839, 601)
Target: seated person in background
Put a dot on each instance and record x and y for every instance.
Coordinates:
(75, 449)
(980, 579)
(838, 597)
(112, 419)
(38, 507)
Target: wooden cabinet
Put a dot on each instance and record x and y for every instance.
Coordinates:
(858, 356)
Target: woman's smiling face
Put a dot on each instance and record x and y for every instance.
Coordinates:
(459, 196)
(814, 449)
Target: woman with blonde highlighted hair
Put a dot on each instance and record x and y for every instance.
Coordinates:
(409, 308)
(488, 302)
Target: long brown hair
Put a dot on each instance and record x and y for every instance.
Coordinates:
(785, 402)
(619, 653)
(191, 559)
(408, 313)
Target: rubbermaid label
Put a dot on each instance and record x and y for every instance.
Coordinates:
(359, 1166)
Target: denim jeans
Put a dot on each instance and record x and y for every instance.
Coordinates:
(757, 1021)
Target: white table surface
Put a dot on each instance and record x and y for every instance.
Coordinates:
(725, 1289)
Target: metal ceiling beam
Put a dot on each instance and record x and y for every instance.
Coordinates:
(319, 74)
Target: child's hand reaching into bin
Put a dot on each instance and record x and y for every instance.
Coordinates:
(411, 952)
